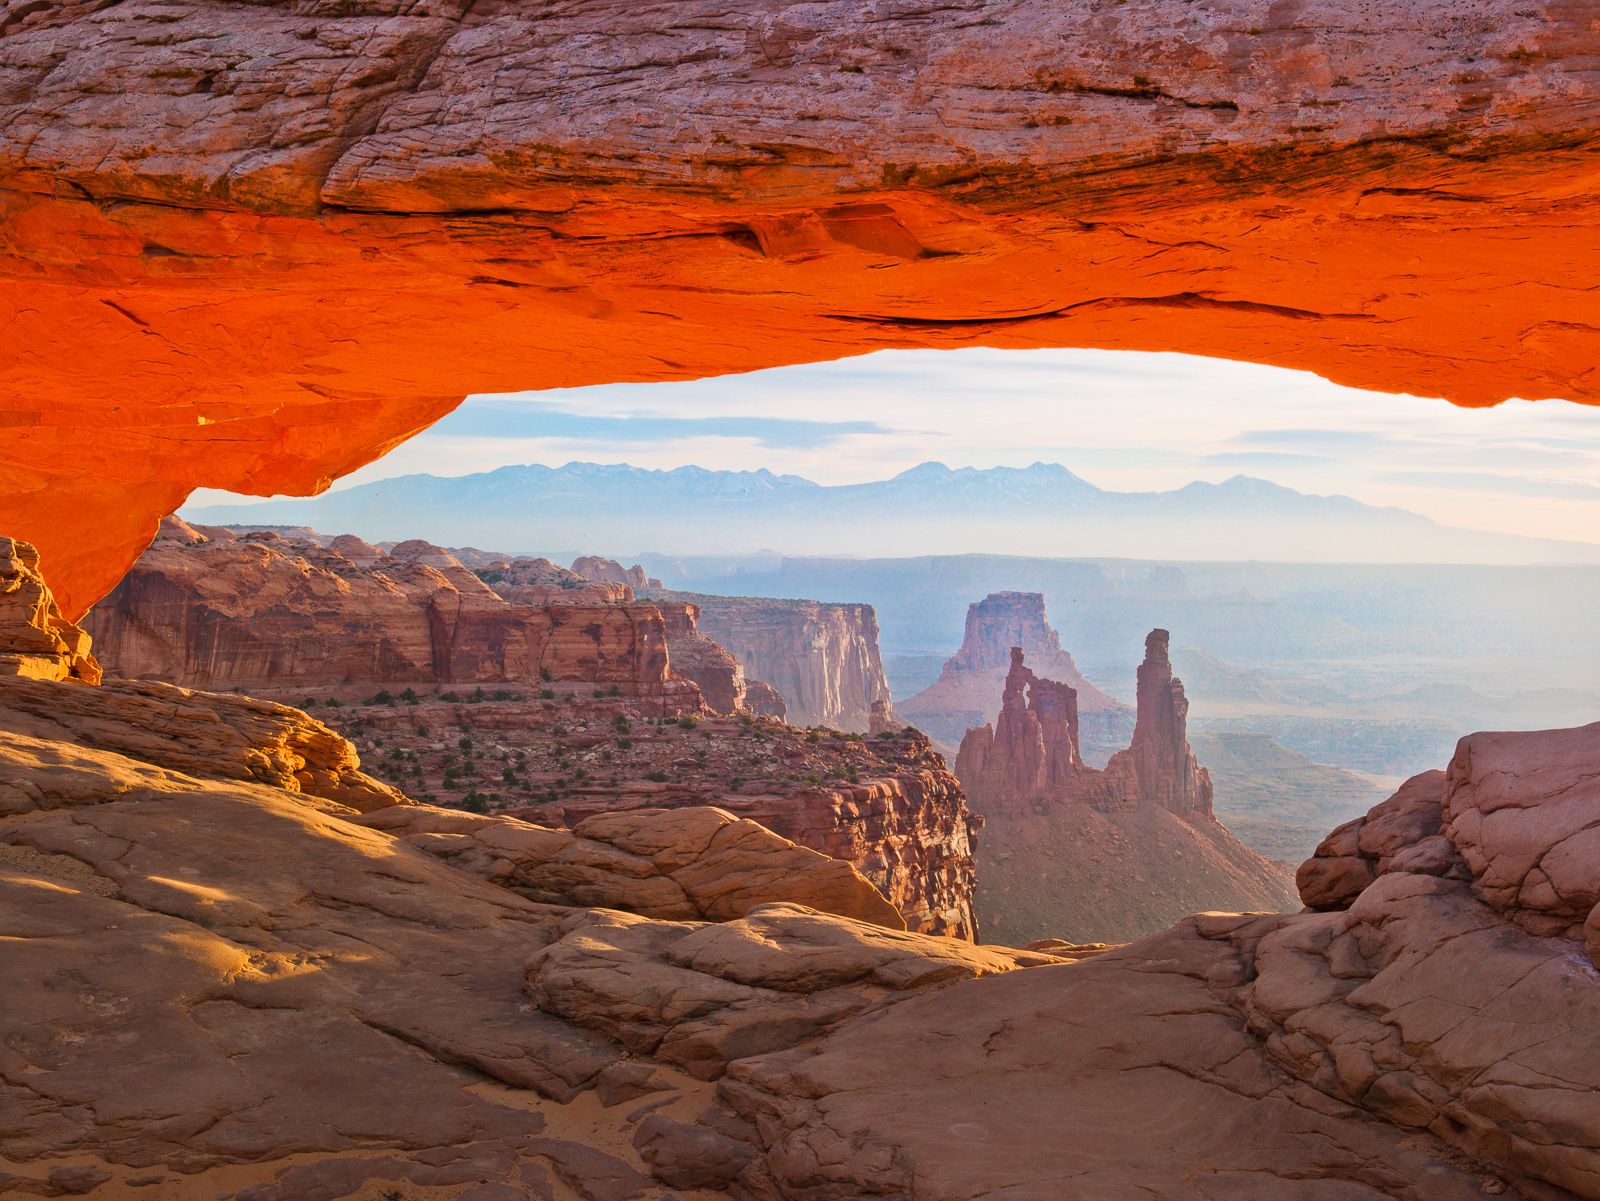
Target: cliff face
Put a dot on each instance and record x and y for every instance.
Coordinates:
(1197, 179)
(610, 571)
(822, 659)
(963, 695)
(695, 657)
(36, 641)
(1072, 852)
(265, 612)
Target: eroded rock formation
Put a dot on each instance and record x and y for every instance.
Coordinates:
(822, 659)
(1328, 187)
(695, 657)
(963, 695)
(267, 612)
(339, 1006)
(610, 571)
(1106, 855)
(36, 641)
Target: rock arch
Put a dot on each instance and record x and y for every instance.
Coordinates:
(256, 246)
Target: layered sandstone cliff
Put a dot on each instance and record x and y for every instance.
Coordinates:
(36, 641)
(963, 695)
(1105, 855)
(822, 659)
(267, 612)
(695, 657)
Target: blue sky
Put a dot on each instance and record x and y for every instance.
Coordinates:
(1121, 419)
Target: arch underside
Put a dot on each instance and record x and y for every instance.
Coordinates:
(175, 320)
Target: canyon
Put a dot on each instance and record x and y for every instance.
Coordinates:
(225, 985)
(353, 232)
(822, 659)
(1106, 855)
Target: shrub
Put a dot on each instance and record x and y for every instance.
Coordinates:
(474, 803)
(547, 694)
(624, 726)
(599, 692)
(452, 697)
(813, 736)
(687, 722)
(813, 779)
(658, 777)
(853, 775)
(410, 697)
(464, 743)
(501, 694)
(422, 731)
(477, 698)
(736, 783)
(624, 744)
(308, 703)
(333, 702)
(521, 755)
(544, 674)
(509, 776)
(614, 690)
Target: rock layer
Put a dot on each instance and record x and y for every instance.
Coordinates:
(36, 641)
(822, 659)
(694, 657)
(265, 612)
(1340, 187)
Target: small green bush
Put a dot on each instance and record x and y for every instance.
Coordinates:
(658, 777)
(687, 722)
(547, 694)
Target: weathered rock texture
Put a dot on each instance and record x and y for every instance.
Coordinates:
(1113, 855)
(699, 864)
(693, 656)
(262, 611)
(353, 228)
(529, 581)
(887, 805)
(610, 571)
(822, 659)
(1029, 760)
(211, 735)
(963, 695)
(203, 974)
(36, 641)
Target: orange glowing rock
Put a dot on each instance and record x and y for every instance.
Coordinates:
(256, 247)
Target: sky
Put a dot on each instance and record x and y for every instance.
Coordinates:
(1123, 420)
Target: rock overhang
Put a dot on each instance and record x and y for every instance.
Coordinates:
(256, 247)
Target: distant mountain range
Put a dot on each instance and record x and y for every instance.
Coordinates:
(1043, 510)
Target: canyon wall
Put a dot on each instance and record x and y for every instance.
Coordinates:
(695, 657)
(354, 229)
(265, 612)
(963, 695)
(610, 571)
(822, 659)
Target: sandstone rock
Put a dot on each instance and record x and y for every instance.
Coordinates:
(1103, 856)
(762, 699)
(1159, 1091)
(1358, 852)
(821, 659)
(1523, 810)
(1030, 754)
(212, 735)
(36, 641)
(963, 696)
(699, 996)
(529, 581)
(695, 657)
(627, 1081)
(610, 571)
(1159, 768)
(699, 864)
(686, 1156)
(279, 612)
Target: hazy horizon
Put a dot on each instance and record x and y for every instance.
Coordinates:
(1123, 420)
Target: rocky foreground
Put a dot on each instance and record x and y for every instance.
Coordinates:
(222, 982)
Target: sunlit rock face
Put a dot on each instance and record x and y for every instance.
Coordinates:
(255, 247)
